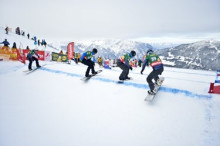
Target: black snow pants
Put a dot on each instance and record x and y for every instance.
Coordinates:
(153, 75)
(125, 70)
(31, 59)
(90, 65)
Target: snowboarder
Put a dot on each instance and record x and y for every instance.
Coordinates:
(123, 63)
(86, 59)
(33, 56)
(155, 62)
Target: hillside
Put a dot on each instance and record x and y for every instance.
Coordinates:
(203, 55)
(22, 41)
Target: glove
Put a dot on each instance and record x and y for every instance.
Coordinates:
(130, 68)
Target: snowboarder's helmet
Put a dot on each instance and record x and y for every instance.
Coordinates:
(150, 51)
(94, 50)
(133, 53)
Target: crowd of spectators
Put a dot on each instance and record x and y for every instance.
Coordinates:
(22, 33)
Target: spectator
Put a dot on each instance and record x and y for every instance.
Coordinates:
(35, 43)
(28, 35)
(45, 43)
(35, 38)
(6, 43)
(6, 29)
(61, 52)
(14, 46)
(18, 31)
(38, 42)
(28, 48)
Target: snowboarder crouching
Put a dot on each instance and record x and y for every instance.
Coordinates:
(86, 59)
(155, 62)
(123, 63)
(33, 56)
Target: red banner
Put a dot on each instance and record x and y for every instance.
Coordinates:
(70, 50)
(20, 56)
(40, 53)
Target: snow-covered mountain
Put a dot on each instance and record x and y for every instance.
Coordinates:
(200, 55)
(109, 48)
(163, 45)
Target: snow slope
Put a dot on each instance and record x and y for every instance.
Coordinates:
(22, 41)
(52, 106)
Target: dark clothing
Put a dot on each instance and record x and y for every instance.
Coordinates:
(18, 31)
(31, 59)
(139, 63)
(90, 65)
(14, 45)
(144, 65)
(154, 75)
(6, 29)
(125, 70)
(6, 43)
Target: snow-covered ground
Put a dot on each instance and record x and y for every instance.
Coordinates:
(54, 107)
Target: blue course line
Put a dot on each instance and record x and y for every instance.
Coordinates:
(165, 89)
(60, 72)
(136, 85)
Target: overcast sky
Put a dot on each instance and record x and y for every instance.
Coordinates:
(113, 19)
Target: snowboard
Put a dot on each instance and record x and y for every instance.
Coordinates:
(30, 71)
(122, 81)
(90, 76)
(150, 97)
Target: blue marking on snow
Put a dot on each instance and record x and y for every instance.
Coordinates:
(200, 74)
(165, 89)
(60, 72)
(136, 85)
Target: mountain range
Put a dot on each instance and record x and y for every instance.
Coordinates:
(203, 55)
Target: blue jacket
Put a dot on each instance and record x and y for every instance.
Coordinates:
(88, 55)
(6, 43)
